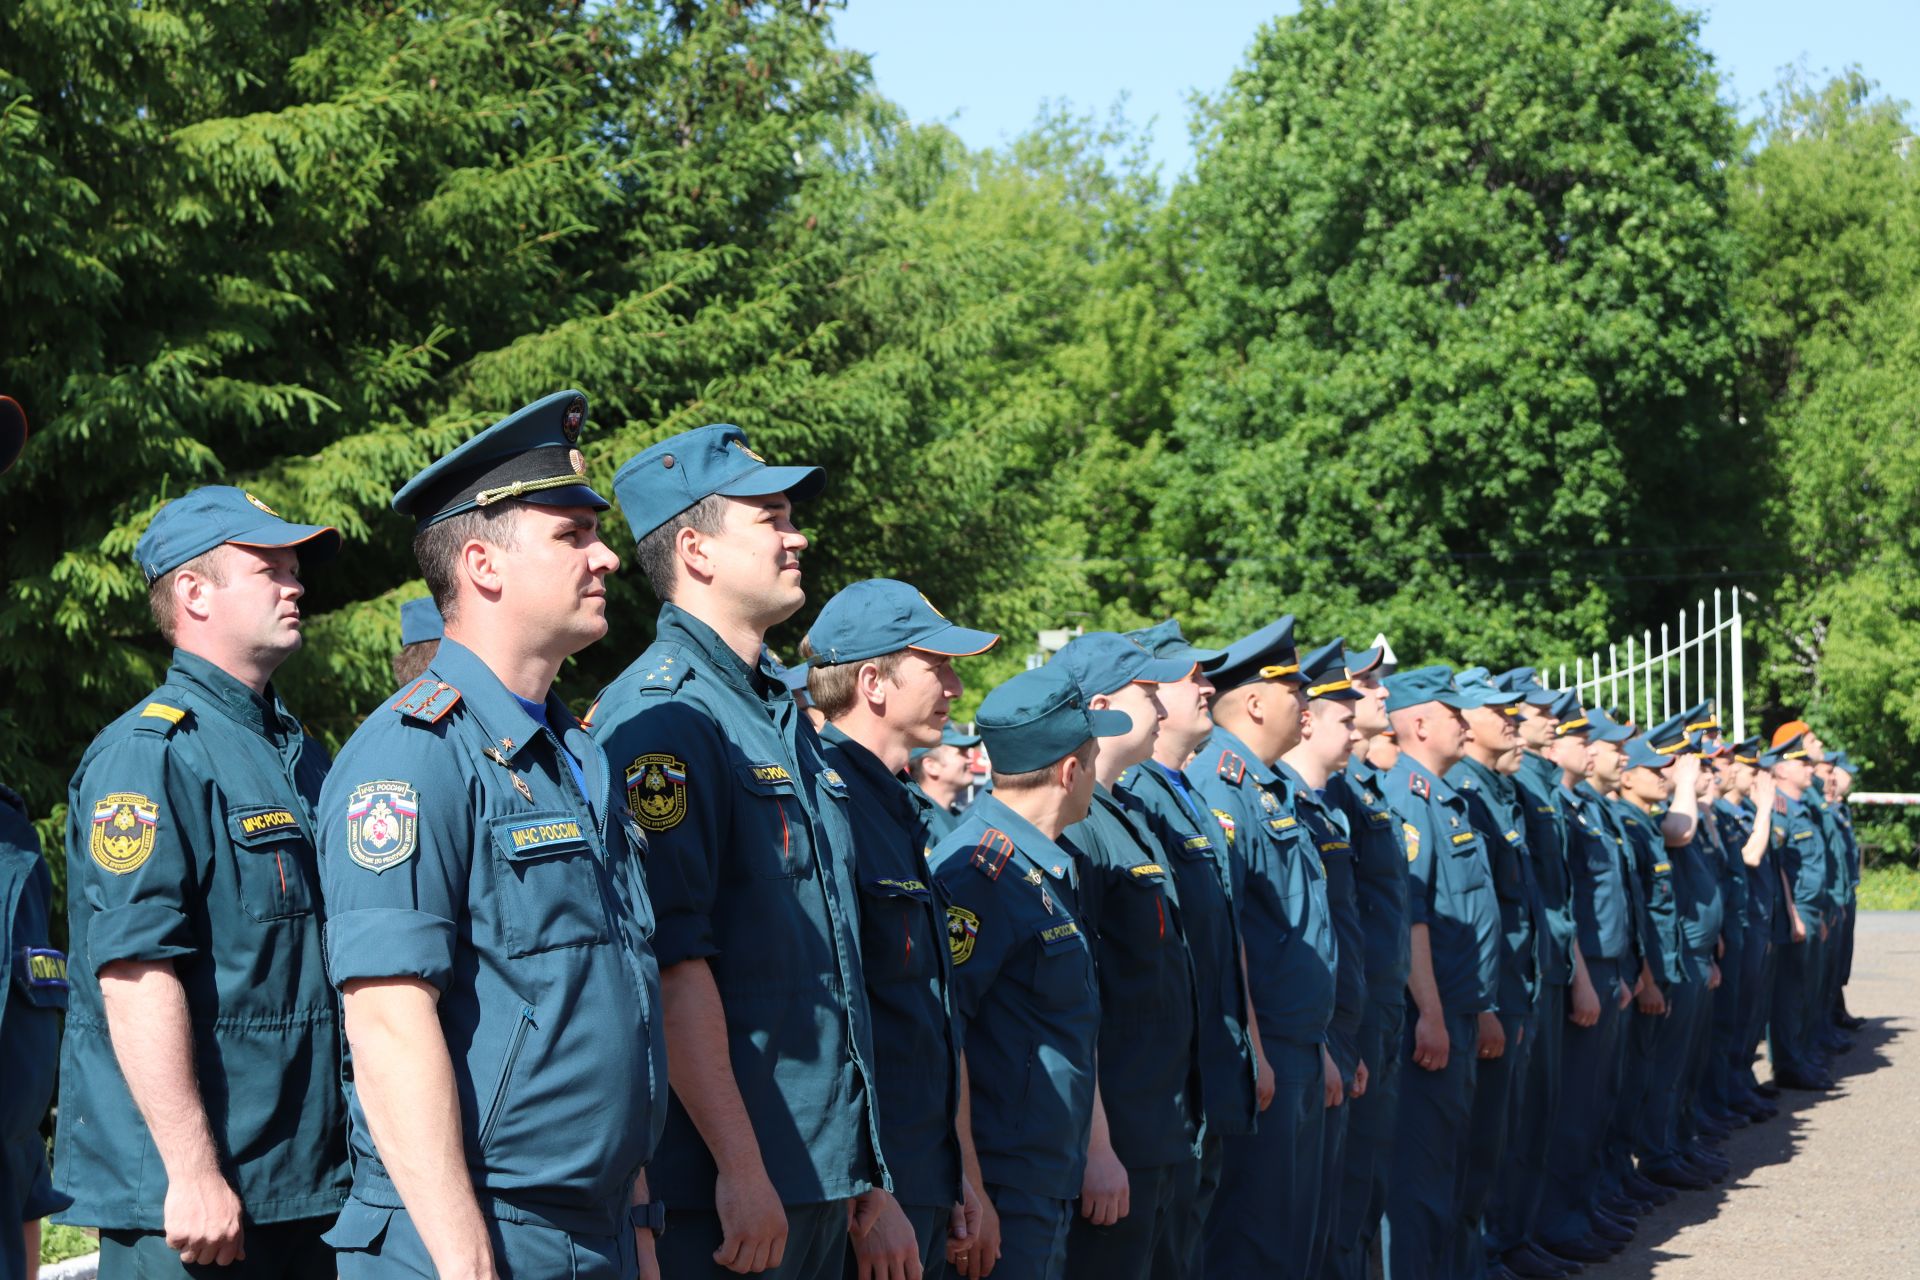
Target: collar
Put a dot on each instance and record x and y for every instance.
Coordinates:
(1441, 792)
(263, 715)
(1487, 779)
(1207, 759)
(890, 789)
(678, 626)
(500, 715)
(1028, 840)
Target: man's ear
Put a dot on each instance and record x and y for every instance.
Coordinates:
(869, 685)
(479, 565)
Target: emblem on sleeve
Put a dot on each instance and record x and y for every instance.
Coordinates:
(963, 930)
(1412, 834)
(383, 824)
(657, 791)
(124, 824)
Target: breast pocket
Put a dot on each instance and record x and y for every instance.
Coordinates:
(1062, 967)
(273, 862)
(896, 933)
(550, 882)
(771, 839)
(1145, 914)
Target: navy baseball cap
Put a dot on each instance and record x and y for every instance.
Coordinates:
(13, 431)
(1163, 640)
(1659, 746)
(666, 478)
(1602, 727)
(883, 615)
(1525, 682)
(1039, 718)
(1325, 670)
(1430, 684)
(531, 455)
(1266, 654)
(420, 621)
(1477, 682)
(1105, 661)
(195, 524)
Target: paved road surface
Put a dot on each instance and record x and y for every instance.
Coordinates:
(1831, 1186)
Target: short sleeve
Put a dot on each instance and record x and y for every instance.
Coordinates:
(396, 856)
(132, 854)
(670, 768)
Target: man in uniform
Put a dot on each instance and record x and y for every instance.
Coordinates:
(1827, 1035)
(420, 630)
(1025, 993)
(939, 773)
(1452, 985)
(1839, 786)
(488, 916)
(1800, 848)
(880, 668)
(200, 1115)
(1267, 1210)
(1158, 790)
(1143, 1156)
(1380, 890)
(1744, 812)
(772, 1126)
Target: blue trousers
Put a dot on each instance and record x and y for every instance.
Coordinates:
(1589, 1071)
(1499, 1085)
(1207, 1185)
(1361, 1188)
(1521, 1184)
(1264, 1213)
(1658, 1139)
(816, 1243)
(384, 1244)
(1430, 1147)
(1151, 1240)
(1033, 1235)
(1333, 1155)
(1793, 983)
(1632, 1065)
(1719, 1085)
(1762, 964)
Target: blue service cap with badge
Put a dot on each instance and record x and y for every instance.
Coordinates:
(1566, 709)
(531, 455)
(1659, 746)
(1794, 748)
(880, 616)
(1371, 660)
(1430, 684)
(1525, 682)
(1102, 662)
(1750, 751)
(420, 621)
(1267, 654)
(1700, 718)
(1163, 640)
(1326, 674)
(1602, 727)
(216, 514)
(1039, 718)
(13, 431)
(666, 478)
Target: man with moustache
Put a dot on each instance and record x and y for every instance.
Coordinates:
(1143, 1154)
(488, 909)
(200, 1122)
(772, 1128)
(1267, 1208)
(880, 669)
(1233, 1089)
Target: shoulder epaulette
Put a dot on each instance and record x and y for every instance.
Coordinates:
(1232, 767)
(160, 718)
(428, 701)
(991, 854)
(663, 676)
(1420, 786)
(1779, 803)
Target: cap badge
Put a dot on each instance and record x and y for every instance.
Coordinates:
(263, 506)
(931, 605)
(741, 445)
(578, 461)
(576, 415)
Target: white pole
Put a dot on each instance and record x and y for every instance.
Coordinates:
(1613, 673)
(1646, 647)
(1700, 662)
(1632, 702)
(1680, 646)
(1719, 677)
(1739, 674)
(1666, 651)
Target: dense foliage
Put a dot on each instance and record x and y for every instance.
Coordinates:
(1476, 322)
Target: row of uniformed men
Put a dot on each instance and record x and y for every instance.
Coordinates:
(1189, 943)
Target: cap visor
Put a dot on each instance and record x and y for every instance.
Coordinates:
(798, 483)
(571, 495)
(956, 642)
(1358, 664)
(1166, 670)
(1495, 698)
(1110, 724)
(325, 539)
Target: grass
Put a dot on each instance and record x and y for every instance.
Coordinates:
(58, 1243)
(1891, 888)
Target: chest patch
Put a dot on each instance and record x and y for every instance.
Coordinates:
(773, 773)
(124, 826)
(657, 791)
(539, 835)
(254, 824)
(383, 824)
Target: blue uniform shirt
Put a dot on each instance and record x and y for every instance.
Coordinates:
(904, 953)
(458, 850)
(1380, 877)
(1452, 887)
(1663, 946)
(1129, 906)
(1025, 998)
(1704, 917)
(1603, 911)
(1800, 847)
(1280, 888)
(753, 872)
(33, 991)
(1538, 783)
(1838, 877)
(1196, 850)
(190, 831)
(1332, 840)
(1494, 809)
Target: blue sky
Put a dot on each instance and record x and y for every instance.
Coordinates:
(985, 66)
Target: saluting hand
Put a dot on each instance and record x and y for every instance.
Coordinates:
(753, 1225)
(202, 1218)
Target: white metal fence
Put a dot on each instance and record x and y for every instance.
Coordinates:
(1653, 679)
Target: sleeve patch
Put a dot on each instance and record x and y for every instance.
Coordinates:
(1226, 823)
(657, 791)
(124, 826)
(1412, 835)
(383, 824)
(963, 931)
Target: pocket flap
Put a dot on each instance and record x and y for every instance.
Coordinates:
(524, 836)
(257, 824)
